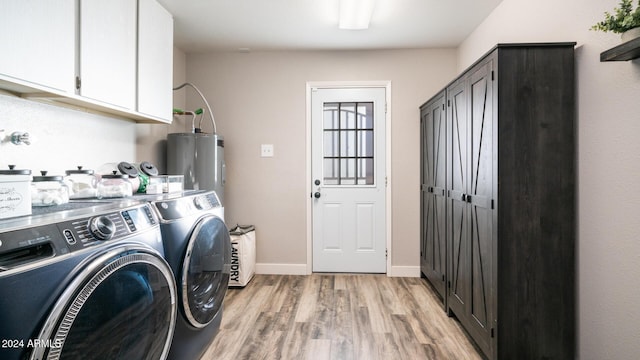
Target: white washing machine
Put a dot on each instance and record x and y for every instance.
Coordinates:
(198, 249)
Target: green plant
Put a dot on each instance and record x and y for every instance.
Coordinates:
(624, 18)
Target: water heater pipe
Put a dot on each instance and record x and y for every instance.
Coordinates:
(213, 122)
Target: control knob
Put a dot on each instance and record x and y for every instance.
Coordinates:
(102, 227)
(201, 203)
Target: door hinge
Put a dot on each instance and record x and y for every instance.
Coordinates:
(386, 181)
(386, 253)
(449, 103)
(492, 76)
(385, 108)
(78, 83)
(449, 284)
(493, 333)
(492, 204)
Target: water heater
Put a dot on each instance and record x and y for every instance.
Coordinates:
(200, 158)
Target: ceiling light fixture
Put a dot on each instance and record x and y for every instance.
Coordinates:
(355, 14)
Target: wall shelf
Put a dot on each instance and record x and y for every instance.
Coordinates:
(626, 51)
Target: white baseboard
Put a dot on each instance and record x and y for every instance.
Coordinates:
(281, 269)
(301, 269)
(405, 271)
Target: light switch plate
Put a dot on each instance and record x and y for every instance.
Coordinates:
(266, 150)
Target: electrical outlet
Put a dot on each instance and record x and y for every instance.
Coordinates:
(266, 150)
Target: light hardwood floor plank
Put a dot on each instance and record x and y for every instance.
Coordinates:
(337, 317)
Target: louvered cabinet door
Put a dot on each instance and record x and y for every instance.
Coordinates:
(458, 282)
(479, 200)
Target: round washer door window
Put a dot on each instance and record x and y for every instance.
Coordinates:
(205, 271)
(122, 306)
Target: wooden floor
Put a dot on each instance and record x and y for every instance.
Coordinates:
(342, 316)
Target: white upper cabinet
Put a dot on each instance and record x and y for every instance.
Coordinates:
(108, 51)
(114, 56)
(38, 43)
(155, 60)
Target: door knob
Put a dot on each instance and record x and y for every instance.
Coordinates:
(317, 195)
(317, 182)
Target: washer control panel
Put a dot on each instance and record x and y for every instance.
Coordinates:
(28, 245)
(115, 225)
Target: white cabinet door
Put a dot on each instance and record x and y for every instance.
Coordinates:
(155, 60)
(37, 38)
(108, 51)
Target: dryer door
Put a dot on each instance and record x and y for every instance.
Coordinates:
(205, 271)
(122, 305)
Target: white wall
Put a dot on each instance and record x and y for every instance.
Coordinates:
(62, 138)
(259, 98)
(608, 129)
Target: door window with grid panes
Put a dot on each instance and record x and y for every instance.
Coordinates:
(348, 155)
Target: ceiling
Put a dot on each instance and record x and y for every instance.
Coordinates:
(255, 25)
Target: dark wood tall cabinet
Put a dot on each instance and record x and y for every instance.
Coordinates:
(510, 200)
(433, 184)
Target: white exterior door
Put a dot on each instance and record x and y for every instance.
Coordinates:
(348, 174)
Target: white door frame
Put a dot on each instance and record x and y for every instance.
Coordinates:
(342, 85)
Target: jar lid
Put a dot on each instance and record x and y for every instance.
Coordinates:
(44, 177)
(127, 169)
(79, 171)
(13, 171)
(115, 175)
(148, 169)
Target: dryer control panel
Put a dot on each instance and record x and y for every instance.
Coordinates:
(179, 208)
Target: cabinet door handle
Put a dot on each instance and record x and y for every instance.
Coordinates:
(469, 198)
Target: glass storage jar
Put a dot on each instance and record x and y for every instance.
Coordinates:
(82, 183)
(124, 168)
(128, 169)
(48, 190)
(146, 171)
(114, 186)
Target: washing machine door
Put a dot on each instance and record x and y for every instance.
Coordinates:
(122, 305)
(205, 271)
